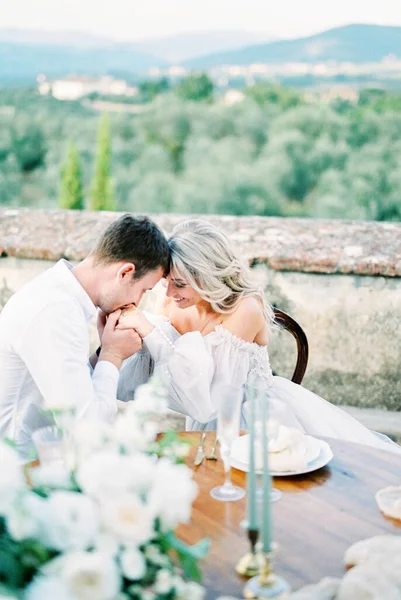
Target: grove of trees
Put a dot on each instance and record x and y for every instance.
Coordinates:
(186, 151)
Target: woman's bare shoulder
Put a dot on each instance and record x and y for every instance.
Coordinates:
(247, 321)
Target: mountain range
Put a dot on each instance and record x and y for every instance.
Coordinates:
(25, 54)
(352, 43)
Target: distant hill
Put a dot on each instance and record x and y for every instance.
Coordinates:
(353, 43)
(21, 63)
(52, 38)
(186, 46)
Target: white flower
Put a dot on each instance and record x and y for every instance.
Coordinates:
(103, 473)
(153, 555)
(194, 591)
(108, 474)
(71, 521)
(133, 564)
(107, 544)
(150, 399)
(172, 493)
(53, 475)
(90, 576)
(11, 477)
(47, 588)
(133, 435)
(24, 517)
(164, 582)
(90, 436)
(128, 519)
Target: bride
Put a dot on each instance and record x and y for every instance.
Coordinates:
(215, 330)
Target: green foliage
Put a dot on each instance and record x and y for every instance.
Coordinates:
(266, 93)
(102, 187)
(271, 154)
(196, 87)
(71, 188)
(149, 89)
(379, 100)
(20, 560)
(29, 147)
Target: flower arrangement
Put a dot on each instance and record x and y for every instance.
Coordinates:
(103, 529)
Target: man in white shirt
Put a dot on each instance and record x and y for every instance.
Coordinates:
(44, 330)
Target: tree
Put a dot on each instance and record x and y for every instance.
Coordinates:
(265, 93)
(196, 87)
(71, 189)
(102, 186)
(29, 147)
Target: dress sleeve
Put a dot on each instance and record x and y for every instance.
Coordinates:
(189, 367)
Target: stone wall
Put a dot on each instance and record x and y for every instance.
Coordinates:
(340, 280)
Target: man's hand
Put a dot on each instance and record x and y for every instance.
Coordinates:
(101, 322)
(118, 344)
(133, 318)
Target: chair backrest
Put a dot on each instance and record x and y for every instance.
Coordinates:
(287, 322)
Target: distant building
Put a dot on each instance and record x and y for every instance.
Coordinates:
(233, 97)
(78, 86)
(335, 92)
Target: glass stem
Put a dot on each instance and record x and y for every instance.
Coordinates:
(225, 455)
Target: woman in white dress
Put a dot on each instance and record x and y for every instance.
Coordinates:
(215, 330)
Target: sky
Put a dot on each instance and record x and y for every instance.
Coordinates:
(139, 19)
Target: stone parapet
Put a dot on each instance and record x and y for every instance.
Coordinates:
(282, 244)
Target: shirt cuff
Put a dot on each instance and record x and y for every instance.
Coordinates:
(104, 367)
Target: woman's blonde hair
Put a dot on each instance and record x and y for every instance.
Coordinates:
(203, 257)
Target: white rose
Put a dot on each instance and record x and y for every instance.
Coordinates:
(11, 477)
(133, 564)
(172, 493)
(128, 519)
(107, 544)
(90, 576)
(71, 521)
(24, 518)
(109, 473)
(47, 588)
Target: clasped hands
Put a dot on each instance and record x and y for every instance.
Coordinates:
(133, 318)
(121, 333)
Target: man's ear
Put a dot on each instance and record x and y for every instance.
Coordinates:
(126, 272)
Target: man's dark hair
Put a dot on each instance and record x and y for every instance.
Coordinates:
(134, 239)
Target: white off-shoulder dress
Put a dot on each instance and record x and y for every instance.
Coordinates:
(197, 365)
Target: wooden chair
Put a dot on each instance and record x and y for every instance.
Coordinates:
(286, 322)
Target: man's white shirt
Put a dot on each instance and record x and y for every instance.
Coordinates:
(44, 346)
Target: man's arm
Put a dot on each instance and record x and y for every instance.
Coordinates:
(54, 349)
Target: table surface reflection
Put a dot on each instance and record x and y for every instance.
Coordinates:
(319, 515)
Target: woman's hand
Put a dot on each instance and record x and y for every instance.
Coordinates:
(133, 318)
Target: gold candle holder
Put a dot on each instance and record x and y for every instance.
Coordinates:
(266, 584)
(252, 562)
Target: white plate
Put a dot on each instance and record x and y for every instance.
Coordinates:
(319, 454)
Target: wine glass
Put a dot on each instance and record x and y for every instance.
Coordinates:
(228, 423)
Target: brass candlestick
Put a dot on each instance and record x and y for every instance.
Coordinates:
(252, 562)
(266, 584)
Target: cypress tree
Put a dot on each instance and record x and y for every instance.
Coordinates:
(71, 188)
(102, 186)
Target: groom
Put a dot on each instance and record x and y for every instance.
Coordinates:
(44, 330)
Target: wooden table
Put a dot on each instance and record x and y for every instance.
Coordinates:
(317, 518)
